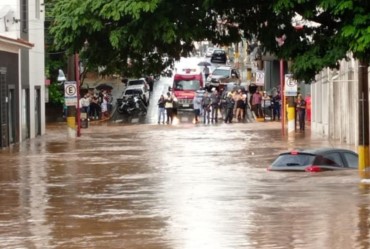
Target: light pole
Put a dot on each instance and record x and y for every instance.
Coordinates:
(72, 103)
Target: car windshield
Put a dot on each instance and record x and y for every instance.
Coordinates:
(219, 52)
(187, 85)
(293, 160)
(221, 72)
(133, 92)
(135, 82)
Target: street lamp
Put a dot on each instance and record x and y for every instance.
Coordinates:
(61, 76)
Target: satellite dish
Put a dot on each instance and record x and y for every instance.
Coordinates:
(7, 14)
(4, 11)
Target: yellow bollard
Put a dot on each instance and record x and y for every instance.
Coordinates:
(363, 161)
(291, 119)
(71, 123)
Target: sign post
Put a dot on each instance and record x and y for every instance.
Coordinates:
(260, 78)
(70, 100)
(290, 90)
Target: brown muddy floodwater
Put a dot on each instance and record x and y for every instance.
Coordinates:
(175, 187)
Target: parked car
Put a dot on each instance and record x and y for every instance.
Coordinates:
(209, 52)
(219, 56)
(140, 90)
(138, 82)
(220, 76)
(315, 160)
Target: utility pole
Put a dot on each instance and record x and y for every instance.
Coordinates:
(282, 97)
(363, 131)
(73, 111)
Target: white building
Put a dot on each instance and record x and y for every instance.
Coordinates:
(22, 71)
(335, 102)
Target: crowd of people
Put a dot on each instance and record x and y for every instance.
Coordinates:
(166, 108)
(227, 106)
(213, 107)
(97, 105)
(237, 105)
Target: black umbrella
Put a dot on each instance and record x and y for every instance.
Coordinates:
(104, 86)
(204, 63)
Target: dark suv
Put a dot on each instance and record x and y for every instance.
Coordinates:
(219, 56)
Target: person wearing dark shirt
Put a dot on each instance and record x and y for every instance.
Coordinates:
(161, 109)
(230, 103)
(276, 105)
(301, 111)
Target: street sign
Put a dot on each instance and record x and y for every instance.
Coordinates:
(290, 85)
(260, 78)
(70, 93)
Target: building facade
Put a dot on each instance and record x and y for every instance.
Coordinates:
(22, 71)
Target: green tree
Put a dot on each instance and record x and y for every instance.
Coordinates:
(116, 32)
(132, 37)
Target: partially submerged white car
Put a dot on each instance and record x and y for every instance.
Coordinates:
(141, 90)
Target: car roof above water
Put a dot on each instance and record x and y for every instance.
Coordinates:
(318, 150)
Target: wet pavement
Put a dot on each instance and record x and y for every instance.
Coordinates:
(181, 186)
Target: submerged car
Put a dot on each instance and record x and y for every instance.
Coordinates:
(315, 160)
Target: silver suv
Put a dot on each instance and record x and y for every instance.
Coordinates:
(223, 75)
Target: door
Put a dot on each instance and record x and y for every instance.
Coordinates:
(37, 111)
(11, 115)
(3, 109)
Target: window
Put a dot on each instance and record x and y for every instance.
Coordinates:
(222, 72)
(24, 16)
(135, 82)
(351, 159)
(187, 85)
(133, 92)
(235, 72)
(331, 159)
(37, 9)
(293, 160)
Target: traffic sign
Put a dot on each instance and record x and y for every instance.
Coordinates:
(70, 93)
(290, 85)
(260, 78)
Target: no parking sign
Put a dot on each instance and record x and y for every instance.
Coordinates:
(70, 93)
(290, 85)
(260, 78)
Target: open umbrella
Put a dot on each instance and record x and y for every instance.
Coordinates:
(204, 63)
(104, 86)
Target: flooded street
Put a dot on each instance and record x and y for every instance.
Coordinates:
(180, 186)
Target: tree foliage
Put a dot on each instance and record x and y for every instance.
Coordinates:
(132, 36)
